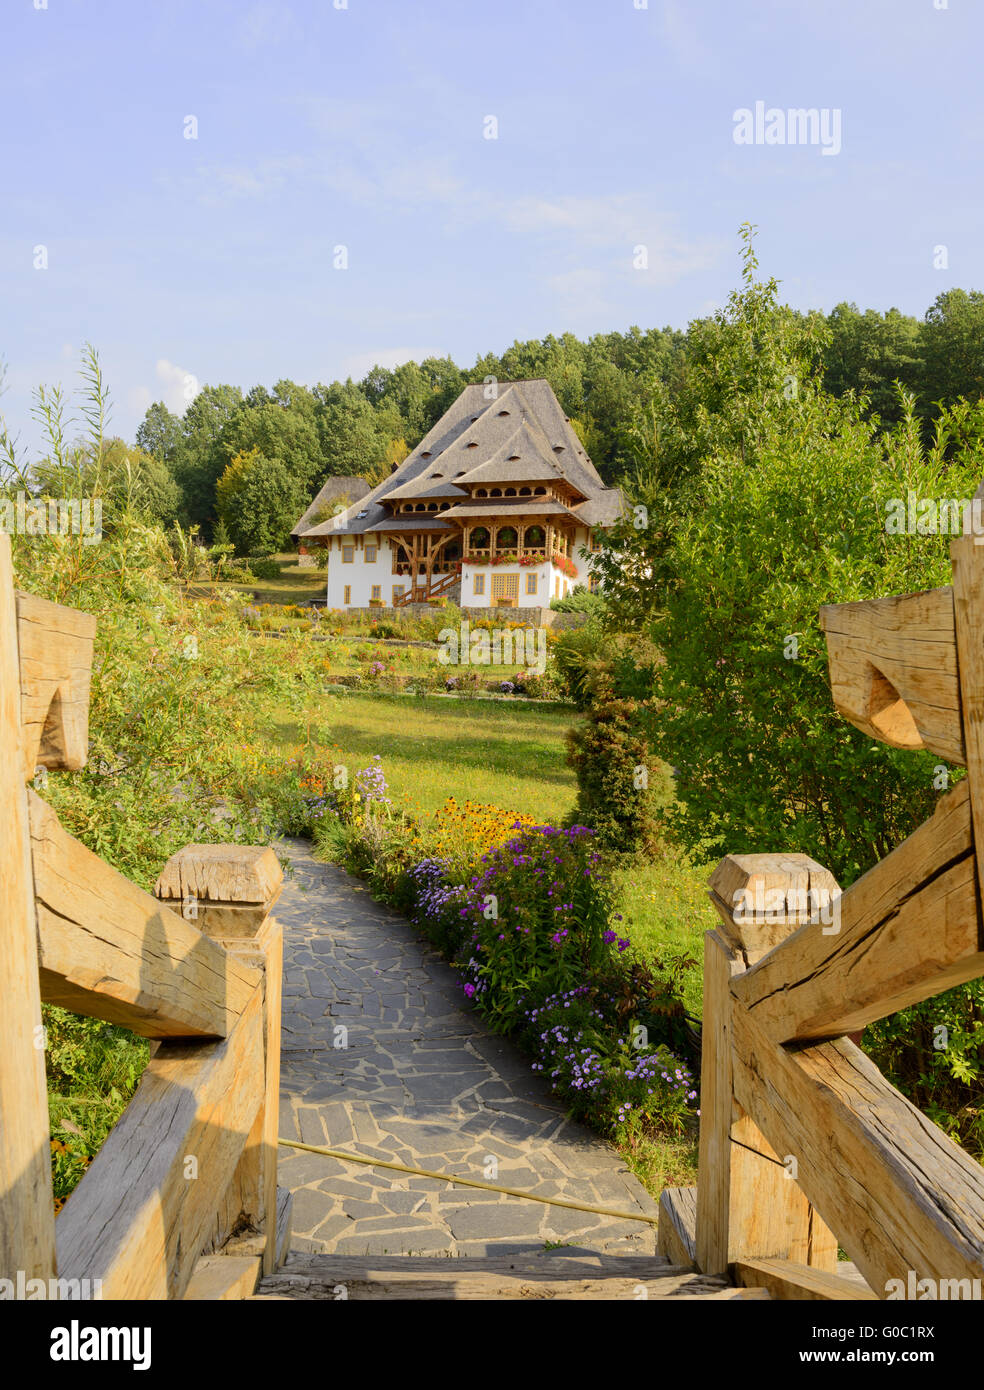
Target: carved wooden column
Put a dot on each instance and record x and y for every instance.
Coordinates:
(749, 1204)
(228, 892)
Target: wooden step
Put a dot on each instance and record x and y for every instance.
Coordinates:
(383, 1277)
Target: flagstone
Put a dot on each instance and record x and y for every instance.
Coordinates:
(421, 1082)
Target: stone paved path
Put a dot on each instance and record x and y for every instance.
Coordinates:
(421, 1082)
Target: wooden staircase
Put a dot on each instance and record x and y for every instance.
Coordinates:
(440, 586)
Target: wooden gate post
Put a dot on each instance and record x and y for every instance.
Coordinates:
(228, 891)
(748, 1202)
(27, 1218)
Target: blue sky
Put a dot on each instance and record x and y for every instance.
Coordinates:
(363, 125)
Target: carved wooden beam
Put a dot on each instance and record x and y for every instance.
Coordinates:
(905, 931)
(110, 950)
(893, 670)
(55, 673)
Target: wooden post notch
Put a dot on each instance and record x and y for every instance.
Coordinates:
(228, 891)
(749, 1205)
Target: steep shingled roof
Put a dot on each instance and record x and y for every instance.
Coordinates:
(525, 457)
(471, 434)
(334, 488)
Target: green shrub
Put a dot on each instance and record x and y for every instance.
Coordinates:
(934, 1053)
(580, 600)
(92, 1070)
(623, 790)
(577, 653)
(264, 567)
(742, 704)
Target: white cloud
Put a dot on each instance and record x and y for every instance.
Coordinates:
(216, 184)
(602, 229)
(176, 387)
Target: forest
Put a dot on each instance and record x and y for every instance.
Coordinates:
(273, 448)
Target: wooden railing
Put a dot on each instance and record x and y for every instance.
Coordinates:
(803, 1142)
(538, 556)
(181, 1201)
(423, 593)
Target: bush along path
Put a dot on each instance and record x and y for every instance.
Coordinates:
(383, 1057)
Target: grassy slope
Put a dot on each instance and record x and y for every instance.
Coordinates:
(511, 755)
(295, 585)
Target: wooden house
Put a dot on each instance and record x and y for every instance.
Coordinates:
(497, 506)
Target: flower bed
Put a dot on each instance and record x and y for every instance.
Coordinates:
(526, 915)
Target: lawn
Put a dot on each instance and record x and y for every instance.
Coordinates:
(295, 585)
(667, 912)
(508, 754)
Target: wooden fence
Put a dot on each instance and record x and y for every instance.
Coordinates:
(181, 1201)
(803, 1144)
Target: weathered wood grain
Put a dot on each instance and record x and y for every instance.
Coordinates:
(786, 1279)
(237, 875)
(893, 669)
(250, 1203)
(716, 1107)
(676, 1234)
(967, 558)
(908, 930)
(747, 1204)
(110, 950)
(899, 1193)
(233, 887)
(139, 1217)
(762, 898)
(333, 1278)
(55, 677)
(254, 1243)
(27, 1226)
(223, 1278)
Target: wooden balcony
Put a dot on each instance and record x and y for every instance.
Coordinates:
(535, 557)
